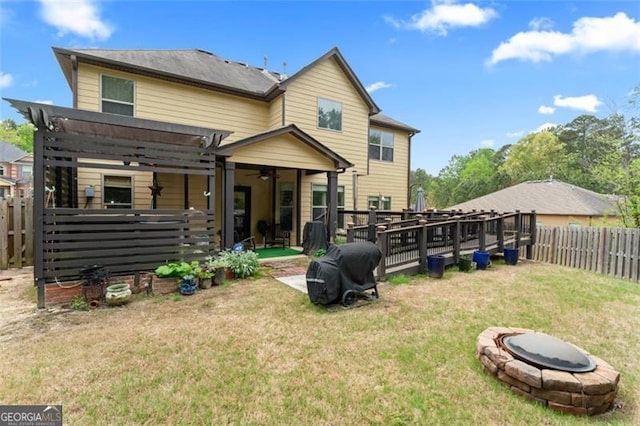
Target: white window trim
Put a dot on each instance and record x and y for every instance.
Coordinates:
(133, 104)
(133, 192)
(393, 147)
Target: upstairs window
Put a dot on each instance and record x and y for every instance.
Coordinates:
(380, 145)
(117, 95)
(26, 171)
(117, 192)
(329, 114)
(380, 202)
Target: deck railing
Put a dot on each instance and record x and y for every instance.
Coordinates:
(406, 243)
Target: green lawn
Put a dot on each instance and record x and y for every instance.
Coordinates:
(258, 352)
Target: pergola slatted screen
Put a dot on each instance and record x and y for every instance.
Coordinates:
(68, 238)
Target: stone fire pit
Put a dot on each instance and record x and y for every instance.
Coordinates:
(580, 393)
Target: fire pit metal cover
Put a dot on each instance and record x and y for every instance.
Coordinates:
(548, 351)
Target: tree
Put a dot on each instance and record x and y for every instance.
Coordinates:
(20, 135)
(537, 156)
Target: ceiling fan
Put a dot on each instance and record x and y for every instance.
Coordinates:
(265, 174)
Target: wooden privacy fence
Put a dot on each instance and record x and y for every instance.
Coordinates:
(16, 233)
(611, 251)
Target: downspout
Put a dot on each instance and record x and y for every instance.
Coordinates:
(74, 80)
(411, 134)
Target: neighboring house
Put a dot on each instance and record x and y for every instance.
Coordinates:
(16, 167)
(556, 203)
(292, 137)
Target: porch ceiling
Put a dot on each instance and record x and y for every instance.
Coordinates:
(286, 146)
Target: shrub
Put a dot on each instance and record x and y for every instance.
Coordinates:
(242, 264)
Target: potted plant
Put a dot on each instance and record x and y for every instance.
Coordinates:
(202, 274)
(217, 266)
(182, 273)
(242, 264)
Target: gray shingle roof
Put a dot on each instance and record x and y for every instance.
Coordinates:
(190, 64)
(387, 121)
(9, 153)
(551, 197)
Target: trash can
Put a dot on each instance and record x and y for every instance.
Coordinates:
(482, 259)
(511, 256)
(435, 266)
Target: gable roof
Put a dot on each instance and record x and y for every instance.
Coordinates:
(335, 54)
(196, 66)
(551, 197)
(386, 121)
(10, 153)
(202, 68)
(339, 161)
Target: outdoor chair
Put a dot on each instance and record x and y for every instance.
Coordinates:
(278, 237)
(249, 243)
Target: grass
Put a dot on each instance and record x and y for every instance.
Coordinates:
(258, 352)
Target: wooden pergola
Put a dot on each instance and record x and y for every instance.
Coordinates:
(69, 237)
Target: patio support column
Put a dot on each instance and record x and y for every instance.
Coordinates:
(332, 204)
(38, 215)
(227, 205)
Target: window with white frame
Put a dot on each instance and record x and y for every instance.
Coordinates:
(329, 114)
(380, 145)
(380, 202)
(117, 95)
(117, 192)
(319, 199)
(1, 171)
(26, 171)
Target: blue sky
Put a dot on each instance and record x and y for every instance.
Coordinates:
(467, 74)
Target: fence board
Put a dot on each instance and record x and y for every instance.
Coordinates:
(16, 233)
(611, 251)
(4, 234)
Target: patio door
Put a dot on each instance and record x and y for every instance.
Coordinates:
(242, 212)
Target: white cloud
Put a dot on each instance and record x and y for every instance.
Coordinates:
(538, 24)
(81, 17)
(543, 109)
(587, 103)
(6, 80)
(47, 102)
(615, 33)
(377, 86)
(545, 127)
(487, 143)
(516, 134)
(444, 15)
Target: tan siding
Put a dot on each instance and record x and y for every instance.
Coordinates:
(326, 80)
(177, 103)
(172, 191)
(282, 151)
(275, 112)
(387, 178)
(94, 177)
(564, 220)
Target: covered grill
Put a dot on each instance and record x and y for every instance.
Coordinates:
(344, 274)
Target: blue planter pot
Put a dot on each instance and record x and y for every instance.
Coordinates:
(187, 286)
(435, 266)
(482, 259)
(511, 256)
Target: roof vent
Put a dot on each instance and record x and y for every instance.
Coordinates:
(204, 51)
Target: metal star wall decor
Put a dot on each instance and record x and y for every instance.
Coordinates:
(156, 188)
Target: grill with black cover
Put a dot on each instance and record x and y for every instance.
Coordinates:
(344, 274)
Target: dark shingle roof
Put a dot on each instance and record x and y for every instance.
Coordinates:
(551, 197)
(383, 120)
(9, 153)
(187, 64)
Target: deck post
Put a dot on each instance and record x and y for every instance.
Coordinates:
(422, 245)
(383, 245)
(482, 233)
(227, 214)
(532, 233)
(371, 236)
(350, 232)
(456, 240)
(500, 233)
(518, 228)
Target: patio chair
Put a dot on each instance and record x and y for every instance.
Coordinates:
(278, 237)
(249, 243)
